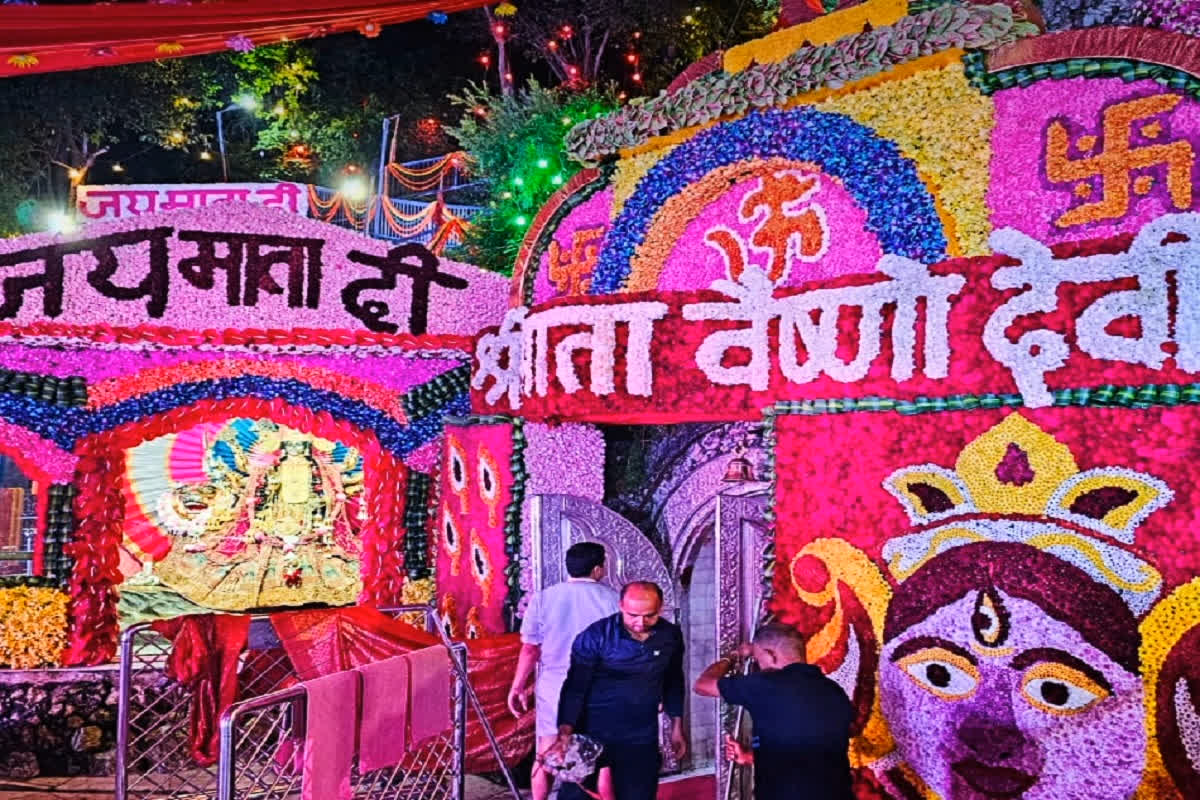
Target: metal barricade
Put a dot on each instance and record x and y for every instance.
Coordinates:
(261, 739)
(154, 759)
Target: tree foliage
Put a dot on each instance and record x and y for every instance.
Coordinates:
(516, 141)
(64, 118)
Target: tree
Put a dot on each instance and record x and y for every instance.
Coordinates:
(642, 45)
(516, 141)
(59, 122)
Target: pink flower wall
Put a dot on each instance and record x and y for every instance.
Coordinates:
(1127, 155)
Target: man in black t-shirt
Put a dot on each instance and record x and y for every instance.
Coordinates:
(801, 719)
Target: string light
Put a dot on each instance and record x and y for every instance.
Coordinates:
(518, 181)
(631, 58)
(177, 136)
(279, 110)
(566, 31)
(205, 155)
(74, 174)
(637, 77)
(506, 195)
(552, 45)
(542, 163)
(521, 220)
(566, 120)
(485, 59)
(557, 180)
(117, 168)
(500, 29)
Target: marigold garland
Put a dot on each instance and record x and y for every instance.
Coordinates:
(33, 626)
(822, 30)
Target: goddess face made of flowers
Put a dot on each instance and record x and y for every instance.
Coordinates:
(1010, 657)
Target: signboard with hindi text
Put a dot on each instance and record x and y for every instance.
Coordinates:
(240, 266)
(119, 201)
(1029, 322)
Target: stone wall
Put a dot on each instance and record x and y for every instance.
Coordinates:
(58, 722)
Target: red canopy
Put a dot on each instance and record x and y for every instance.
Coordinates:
(57, 38)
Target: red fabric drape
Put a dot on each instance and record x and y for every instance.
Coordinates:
(329, 640)
(324, 641)
(204, 657)
(57, 38)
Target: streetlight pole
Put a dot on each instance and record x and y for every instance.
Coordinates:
(247, 103)
(221, 142)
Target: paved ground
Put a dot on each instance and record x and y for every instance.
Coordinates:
(97, 788)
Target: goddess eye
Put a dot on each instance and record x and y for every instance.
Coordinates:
(1059, 689)
(941, 672)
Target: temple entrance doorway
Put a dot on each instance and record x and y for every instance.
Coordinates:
(712, 586)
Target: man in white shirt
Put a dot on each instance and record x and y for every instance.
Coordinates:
(554, 618)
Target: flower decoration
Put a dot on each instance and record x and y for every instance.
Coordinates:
(1181, 16)
(901, 211)
(438, 17)
(33, 627)
(370, 29)
(102, 52)
(239, 43)
(946, 148)
(169, 49)
(23, 60)
(720, 94)
(505, 10)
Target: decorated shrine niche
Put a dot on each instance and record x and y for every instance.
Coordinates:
(945, 264)
(242, 515)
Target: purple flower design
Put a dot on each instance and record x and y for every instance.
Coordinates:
(240, 43)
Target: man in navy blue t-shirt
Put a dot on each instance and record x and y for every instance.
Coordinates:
(623, 668)
(801, 719)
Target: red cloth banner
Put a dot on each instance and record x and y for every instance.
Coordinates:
(59, 38)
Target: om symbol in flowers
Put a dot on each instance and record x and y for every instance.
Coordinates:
(1124, 153)
(792, 227)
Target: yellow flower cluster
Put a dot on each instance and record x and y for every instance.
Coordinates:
(943, 124)
(828, 28)
(33, 627)
(416, 593)
(630, 170)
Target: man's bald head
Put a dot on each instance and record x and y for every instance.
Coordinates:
(641, 603)
(776, 645)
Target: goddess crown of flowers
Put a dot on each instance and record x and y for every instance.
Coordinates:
(1016, 482)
